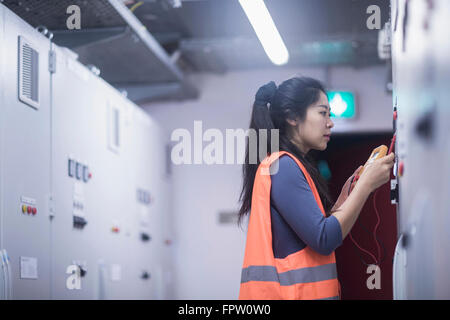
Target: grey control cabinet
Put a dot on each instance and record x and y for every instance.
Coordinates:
(421, 76)
(25, 157)
(83, 198)
(75, 225)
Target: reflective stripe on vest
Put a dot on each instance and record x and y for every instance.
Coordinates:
(304, 274)
(288, 278)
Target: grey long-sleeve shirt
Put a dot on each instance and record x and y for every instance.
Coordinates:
(297, 221)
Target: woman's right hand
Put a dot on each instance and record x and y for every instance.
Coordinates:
(378, 172)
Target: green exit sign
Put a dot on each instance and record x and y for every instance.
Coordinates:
(342, 104)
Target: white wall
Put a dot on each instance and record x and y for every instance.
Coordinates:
(209, 256)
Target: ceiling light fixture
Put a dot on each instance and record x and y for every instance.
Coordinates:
(265, 29)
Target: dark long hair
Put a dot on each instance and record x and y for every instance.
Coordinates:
(289, 101)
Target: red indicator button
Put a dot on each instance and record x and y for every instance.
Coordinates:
(401, 168)
(34, 210)
(28, 209)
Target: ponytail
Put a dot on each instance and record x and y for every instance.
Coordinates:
(261, 122)
(272, 107)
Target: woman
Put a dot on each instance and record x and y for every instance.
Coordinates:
(294, 227)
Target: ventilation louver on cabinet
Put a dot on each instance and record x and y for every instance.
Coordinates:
(114, 128)
(28, 74)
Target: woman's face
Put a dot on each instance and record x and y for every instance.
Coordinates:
(310, 134)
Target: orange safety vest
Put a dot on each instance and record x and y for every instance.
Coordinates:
(304, 274)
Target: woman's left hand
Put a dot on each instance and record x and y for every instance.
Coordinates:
(344, 192)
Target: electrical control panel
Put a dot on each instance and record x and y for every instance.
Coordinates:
(25, 158)
(73, 151)
(420, 68)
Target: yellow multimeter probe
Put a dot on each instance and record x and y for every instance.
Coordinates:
(377, 153)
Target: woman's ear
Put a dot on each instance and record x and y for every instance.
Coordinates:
(292, 122)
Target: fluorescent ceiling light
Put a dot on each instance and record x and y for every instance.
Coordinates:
(265, 29)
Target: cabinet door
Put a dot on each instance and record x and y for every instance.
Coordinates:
(25, 157)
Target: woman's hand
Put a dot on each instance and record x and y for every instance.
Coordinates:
(378, 172)
(344, 192)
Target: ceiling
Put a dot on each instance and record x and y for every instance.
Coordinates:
(188, 36)
(215, 35)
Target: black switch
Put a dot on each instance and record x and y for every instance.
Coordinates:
(85, 174)
(79, 222)
(79, 171)
(145, 237)
(406, 240)
(71, 168)
(83, 271)
(425, 125)
(394, 191)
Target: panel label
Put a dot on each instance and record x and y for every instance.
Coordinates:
(28, 268)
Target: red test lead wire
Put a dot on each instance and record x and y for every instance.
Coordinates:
(377, 260)
(392, 144)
